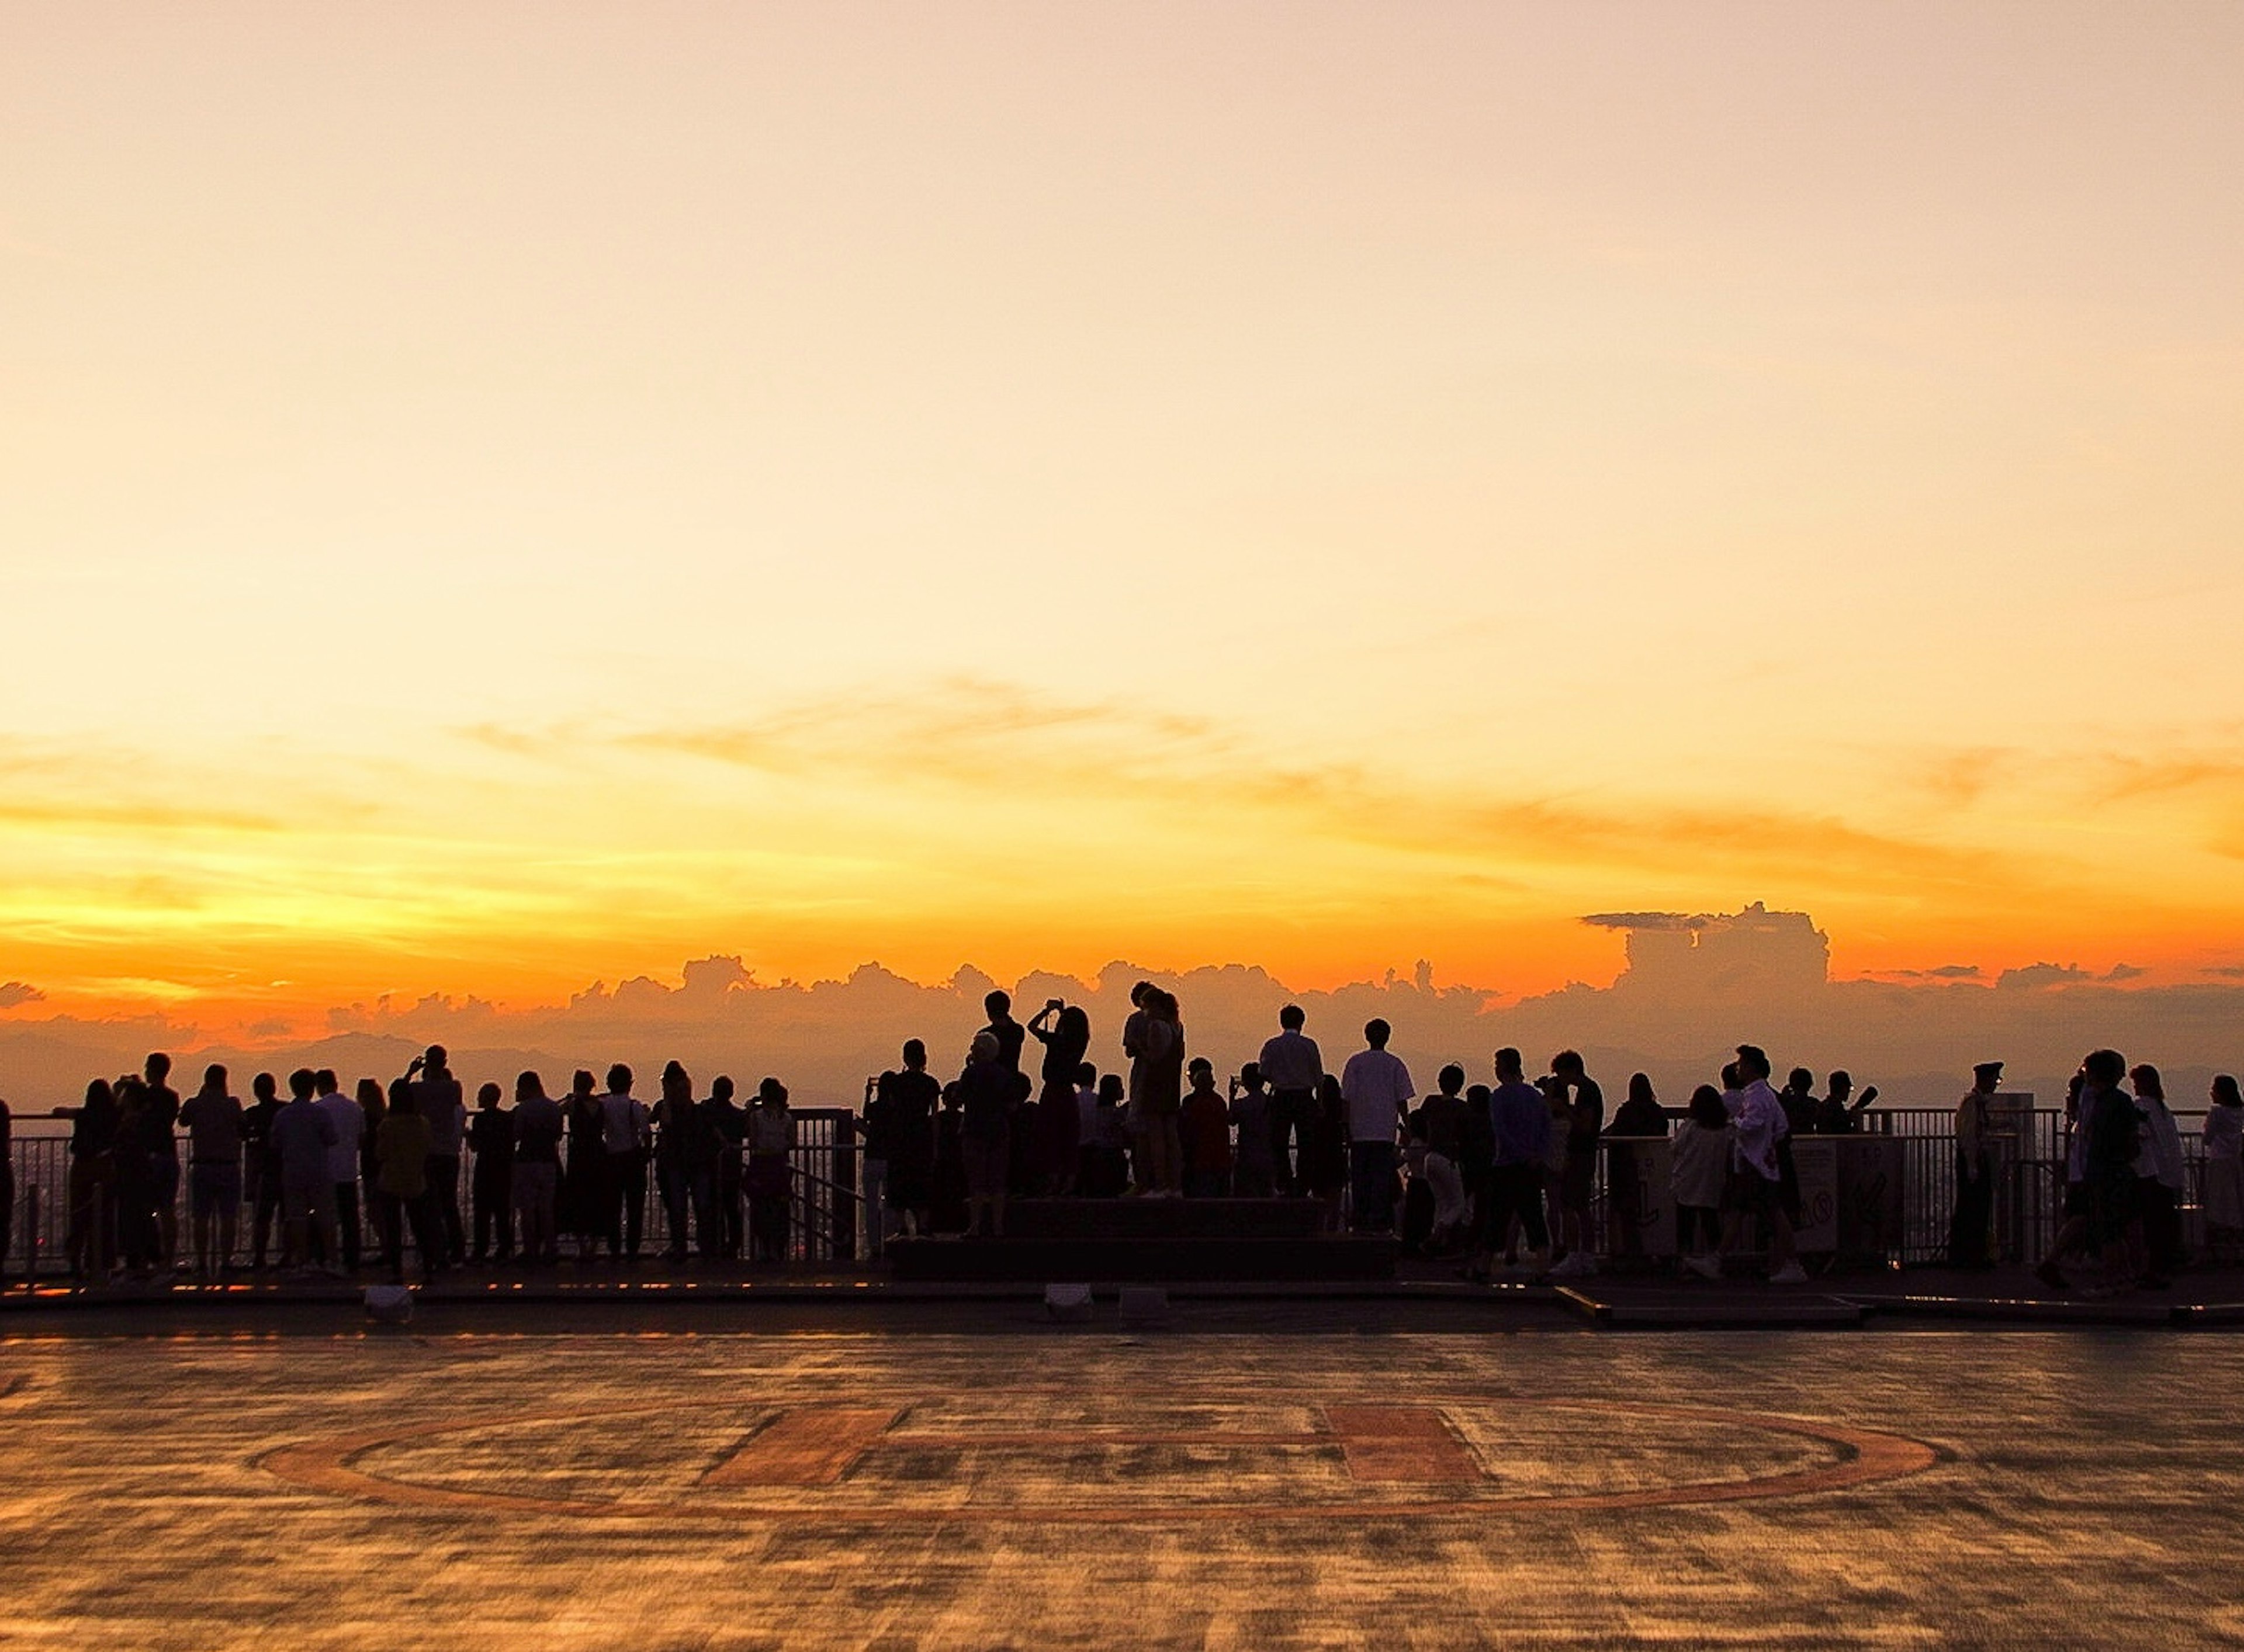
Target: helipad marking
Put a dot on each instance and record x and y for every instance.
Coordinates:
(1392, 1456)
(1407, 1443)
(814, 1445)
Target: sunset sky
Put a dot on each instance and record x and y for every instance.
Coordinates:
(493, 497)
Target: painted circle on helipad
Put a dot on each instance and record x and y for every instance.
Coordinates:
(1037, 1454)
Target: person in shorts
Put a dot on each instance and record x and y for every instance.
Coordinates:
(214, 1121)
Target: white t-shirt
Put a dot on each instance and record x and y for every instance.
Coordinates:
(1754, 1128)
(1376, 1085)
(350, 1121)
(623, 1122)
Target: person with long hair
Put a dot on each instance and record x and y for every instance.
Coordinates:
(402, 1190)
(1324, 1157)
(584, 1201)
(1157, 1075)
(1065, 1031)
(770, 1184)
(538, 1129)
(2160, 1176)
(1699, 1171)
(683, 1162)
(92, 1241)
(2222, 1194)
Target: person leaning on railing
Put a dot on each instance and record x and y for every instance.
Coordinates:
(771, 1134)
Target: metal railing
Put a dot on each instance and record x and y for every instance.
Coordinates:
(832, 1221)
(826, 1218)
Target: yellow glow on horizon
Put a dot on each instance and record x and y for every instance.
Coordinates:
(494, 500)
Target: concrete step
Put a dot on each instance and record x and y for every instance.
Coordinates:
(1142, 1260)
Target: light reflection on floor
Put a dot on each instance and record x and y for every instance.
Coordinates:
(1102, 1489)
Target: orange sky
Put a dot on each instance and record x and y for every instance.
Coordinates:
(494, 500)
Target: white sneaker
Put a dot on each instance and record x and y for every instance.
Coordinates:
(1705, 1267)
(1791, 1274)
(1574, 1265)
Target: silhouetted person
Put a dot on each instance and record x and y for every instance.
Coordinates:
(948, 1213)
(587, 1201)
(1377, 1088)
(985, 1091)
(2223, 1169)
(2161, 1175)
(1519, 1127)
(2114, 1139)
(93, 1183)
(536, 1183)
(1135, 1116)
(1254, 1164)
(213, 1120)
(1011, 1034)
(873, 1156)
(1585, 1110)
(1641, 1113)
(1064, 1032)
(1840, 1112)
(159, 1120)
(373, 1108)
(1292, 1067)
(304, 1137)
(1157, 1093)
(1111, 1137)
(624, 1140)
(728, 1141)
(914, 1095)
(350, 1121)
(261, 1163)
(444, 1111)
(684, 1162)
(1641, 1116)
(1757, 1125)
(138, 1233)
(402, 1196)
(771, 1138)
(1207, 1134)
(1970, 1218)
(490, 1190)
(1442, 1131)
(1698, 1176)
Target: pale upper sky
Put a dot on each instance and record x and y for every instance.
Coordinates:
(495, 496)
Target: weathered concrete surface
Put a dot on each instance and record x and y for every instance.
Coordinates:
(1083, 1487)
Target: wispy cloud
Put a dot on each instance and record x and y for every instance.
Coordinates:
(999, 741)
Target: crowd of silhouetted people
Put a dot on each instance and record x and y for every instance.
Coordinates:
(1487, 1175)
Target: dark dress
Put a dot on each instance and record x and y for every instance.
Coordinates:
(1058, 1124)
(910, 1132)
(948, 1211)
(584, 1205)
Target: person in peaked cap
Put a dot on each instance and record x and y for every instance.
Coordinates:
(1968, 1236)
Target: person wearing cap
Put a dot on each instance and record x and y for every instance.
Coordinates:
(1974, 1172)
